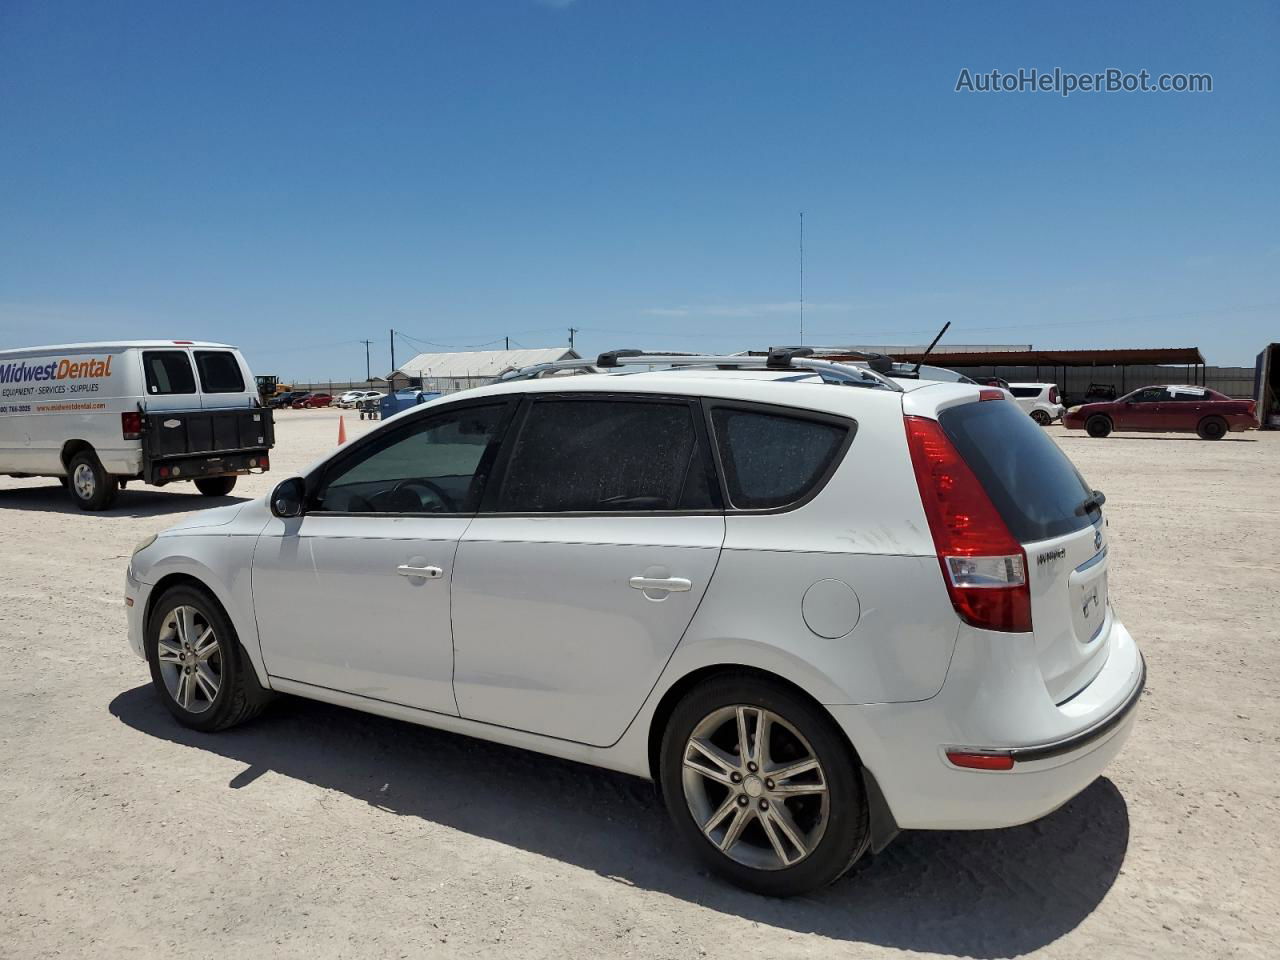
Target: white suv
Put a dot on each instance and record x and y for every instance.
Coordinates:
(816, 605)
(1040, 400)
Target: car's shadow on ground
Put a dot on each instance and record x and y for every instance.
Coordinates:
(130, 503)
(1175, 437)
(984, 894)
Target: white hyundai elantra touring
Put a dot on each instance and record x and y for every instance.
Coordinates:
(814, 604)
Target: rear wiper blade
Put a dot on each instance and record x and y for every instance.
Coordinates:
(1094, 501)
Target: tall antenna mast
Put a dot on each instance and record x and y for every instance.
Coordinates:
(802, 278)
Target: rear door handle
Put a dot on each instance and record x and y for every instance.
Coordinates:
(422, 573)
(669, 584)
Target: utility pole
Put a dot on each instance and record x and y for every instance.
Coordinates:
(393, 351)
(801, 278)
(368, 371)
(572, 331)
(506, 342)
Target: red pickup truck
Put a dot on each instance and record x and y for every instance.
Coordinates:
(1168, 409)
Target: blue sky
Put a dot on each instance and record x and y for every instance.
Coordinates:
(296, 177)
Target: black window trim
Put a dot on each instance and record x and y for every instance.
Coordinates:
(148, 381)
(849, 424)
(493, 490)
(484, 475)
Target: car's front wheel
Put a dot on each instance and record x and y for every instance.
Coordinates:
(197, 665)
(762, 784)
(1098, 426)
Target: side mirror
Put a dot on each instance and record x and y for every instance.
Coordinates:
(289, 498)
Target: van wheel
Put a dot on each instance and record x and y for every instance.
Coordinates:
(216, 486)
(1040, 417)
(1098, 426)
(92, 488)
(763, 786)
(1212, 428)
(197, 664)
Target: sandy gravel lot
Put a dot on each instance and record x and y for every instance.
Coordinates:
(320, 832)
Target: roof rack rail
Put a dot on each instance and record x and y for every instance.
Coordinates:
(777, 358)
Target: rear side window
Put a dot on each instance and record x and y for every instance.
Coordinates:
(168, 372)
(1031, 482)
(1025, 392)
(219, 372)
(604, 455)
(773, 460)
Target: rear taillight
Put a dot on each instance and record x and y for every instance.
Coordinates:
(996, 394)
(984, 567)
(1053, 394)
(131, 425)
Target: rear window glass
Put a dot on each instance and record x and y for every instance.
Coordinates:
(604, 455)
(168, 371)
(1031, 482)
(771, 460)
(219, 372)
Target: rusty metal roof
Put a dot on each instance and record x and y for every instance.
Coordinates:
(958, 357)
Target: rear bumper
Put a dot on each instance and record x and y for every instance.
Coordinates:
(994, 701)
(194, 466)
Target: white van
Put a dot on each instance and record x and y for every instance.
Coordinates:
(97, 415)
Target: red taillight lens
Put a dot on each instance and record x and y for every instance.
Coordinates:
(1053, 394)
(131, 425)
(980, 761)
(996, 394)
(984, 567)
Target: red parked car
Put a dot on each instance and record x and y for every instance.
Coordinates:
(1169, 409)
(313, 400)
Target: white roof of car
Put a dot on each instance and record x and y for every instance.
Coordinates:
(105, 345)
(481, 363)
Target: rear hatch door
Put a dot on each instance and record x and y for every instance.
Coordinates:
(1054, 514)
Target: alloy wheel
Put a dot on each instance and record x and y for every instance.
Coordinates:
(84, 482)
(190, 659)
(755, 787)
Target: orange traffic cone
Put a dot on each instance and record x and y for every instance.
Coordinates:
(342, 430)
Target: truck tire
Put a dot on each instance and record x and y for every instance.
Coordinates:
(91, 487)
(1212, 428)
(216, 486)
(1098, 426)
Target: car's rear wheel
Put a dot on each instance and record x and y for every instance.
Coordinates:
(91, 487)
(197, 664)
(1040, 417)
(216, 486)
(1212, 428)
(763, 785)
(1098, 426)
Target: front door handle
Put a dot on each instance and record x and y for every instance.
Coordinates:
(667, 584)
(422, 573)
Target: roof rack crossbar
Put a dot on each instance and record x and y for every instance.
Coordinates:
(786, 358)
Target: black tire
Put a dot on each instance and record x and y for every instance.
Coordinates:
(1098, 426)
(847, 830)
(1212, 428)
(239, 696)
(216, 486)
(90, 486)
(1040, 417)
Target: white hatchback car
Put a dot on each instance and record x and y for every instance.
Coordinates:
(1040, 400)
(816, 605)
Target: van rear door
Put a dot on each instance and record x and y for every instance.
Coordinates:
(169, 380)
(224, 379)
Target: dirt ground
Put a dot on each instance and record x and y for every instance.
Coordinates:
(320, 832)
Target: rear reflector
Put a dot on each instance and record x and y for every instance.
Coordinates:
(983, 566)
(980, 761)
(131, 425)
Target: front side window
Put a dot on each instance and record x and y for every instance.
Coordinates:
(219, 372)
(774, 460)
(588, 455)
(168, 372)
(435, 465)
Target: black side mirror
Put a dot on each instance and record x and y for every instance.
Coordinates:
(289, 498)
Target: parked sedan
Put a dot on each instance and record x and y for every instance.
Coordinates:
(353, 398)
(312, 400)
(1167, 409)
(286, 399)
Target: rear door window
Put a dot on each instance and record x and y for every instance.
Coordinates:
(580, 455)
(1037, 490)
(1025, 392)
(772, 460)
(168, 372)
(219, 371)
